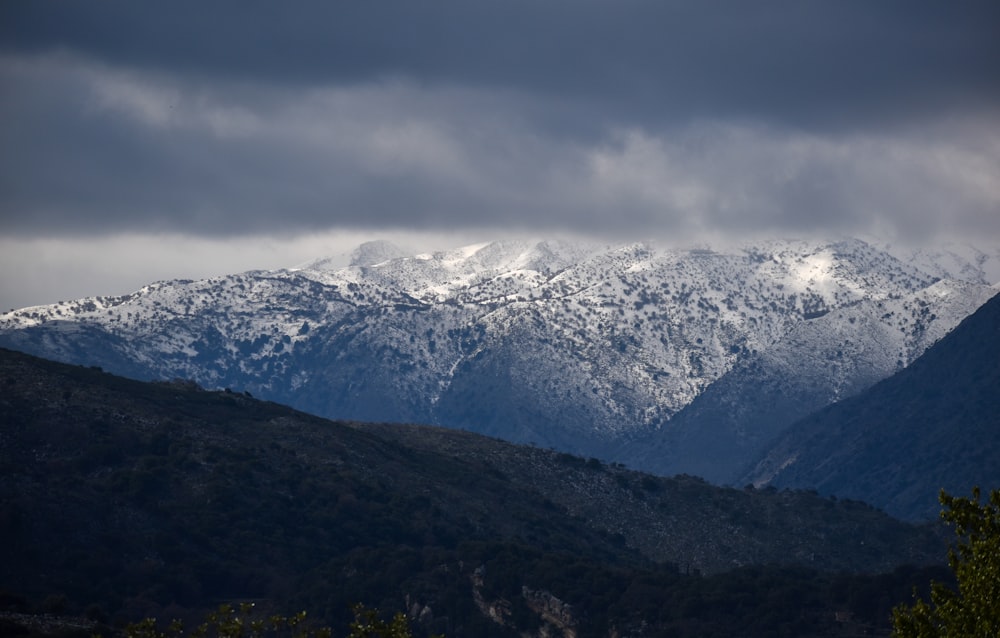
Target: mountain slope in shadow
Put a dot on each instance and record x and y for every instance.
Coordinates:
(933, 425)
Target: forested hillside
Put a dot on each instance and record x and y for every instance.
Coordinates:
(131, 499)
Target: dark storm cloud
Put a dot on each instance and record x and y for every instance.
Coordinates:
(806, 61)
(96, 149)
(627, 117)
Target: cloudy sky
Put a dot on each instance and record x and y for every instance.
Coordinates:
(150, 140)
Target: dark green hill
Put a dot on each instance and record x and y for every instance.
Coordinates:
(160, 499)
(933, 425)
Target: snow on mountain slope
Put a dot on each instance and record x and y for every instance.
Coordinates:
(932, 426)
(579, 346)
(953, 260)
(817, 362)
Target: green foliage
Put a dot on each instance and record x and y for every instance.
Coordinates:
(240, 622)
(367, 624)
(973, 610)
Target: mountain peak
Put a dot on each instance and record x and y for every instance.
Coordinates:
(375, 252)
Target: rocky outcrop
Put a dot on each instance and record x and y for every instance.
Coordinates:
(558, 616)
(497, 610)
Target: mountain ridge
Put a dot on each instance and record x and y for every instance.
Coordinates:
(803, 372)
(934, 425)
(590, 348)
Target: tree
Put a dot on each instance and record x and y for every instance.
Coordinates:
(367, 624)
(973, 611)
(230, 622)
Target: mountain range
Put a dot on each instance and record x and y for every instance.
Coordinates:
(667, 360)
(129, 499)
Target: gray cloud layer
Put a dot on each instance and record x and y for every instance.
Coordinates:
(620, 118)
(805, 60)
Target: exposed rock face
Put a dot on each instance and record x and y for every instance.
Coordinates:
(496, 610)
(557, 617)
(556, 614)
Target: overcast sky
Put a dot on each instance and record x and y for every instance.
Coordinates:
(151, 140)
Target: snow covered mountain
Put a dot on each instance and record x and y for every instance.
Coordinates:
(612, 351)
(817, 362)
(934, 425)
